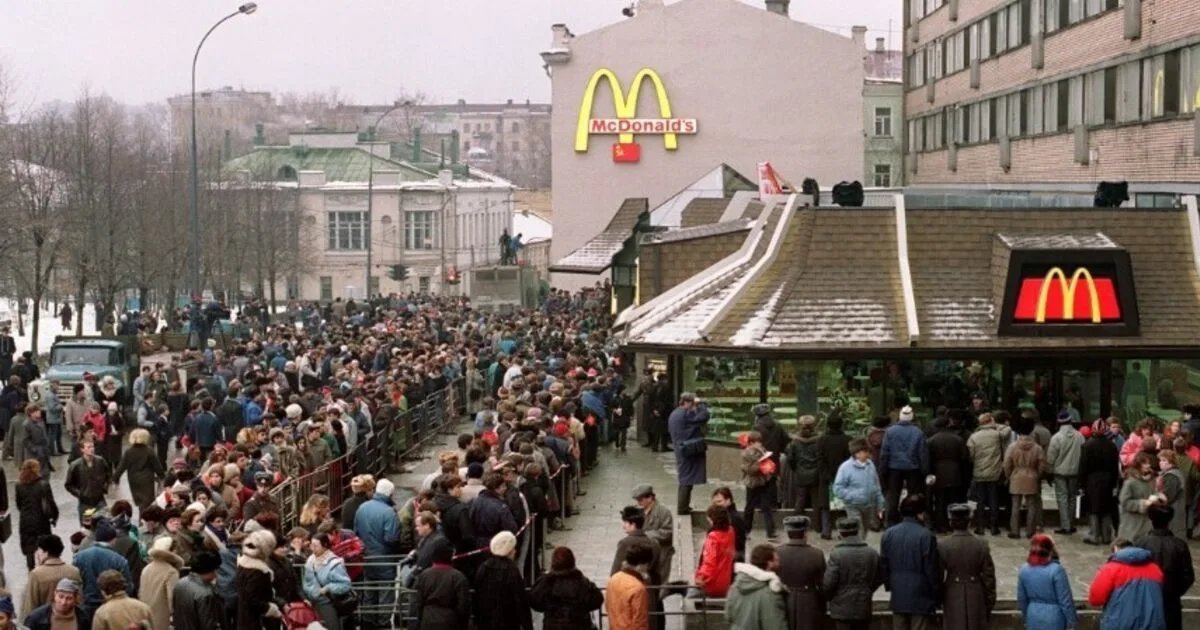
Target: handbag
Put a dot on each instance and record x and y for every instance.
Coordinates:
(5, 528)
(345, 604)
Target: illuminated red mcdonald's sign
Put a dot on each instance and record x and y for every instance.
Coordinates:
(1080, 298)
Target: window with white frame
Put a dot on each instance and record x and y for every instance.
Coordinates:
(883, 175)
(347, 231)
(419, 229)
(883, 121)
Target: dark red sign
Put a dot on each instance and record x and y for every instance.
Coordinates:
(1057, 297)
(626, 152)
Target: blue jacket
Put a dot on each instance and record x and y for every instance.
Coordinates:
(93, 561)
(331, 574)
(253, 414)
(685, 425)
(1044, 597)
(857, 485)
(908, 560)
(489, 516)
(903, 448)
(206, 430)
(378, 526)
(1129, 587)
(593, 402)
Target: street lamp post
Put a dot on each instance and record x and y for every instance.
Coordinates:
(194, 210)
(371, 189)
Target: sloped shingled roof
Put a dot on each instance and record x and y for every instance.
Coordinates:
(834, 285)
(342, 164)
(596, 255)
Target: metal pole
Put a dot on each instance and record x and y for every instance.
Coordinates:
(371, 194)
(194, 210)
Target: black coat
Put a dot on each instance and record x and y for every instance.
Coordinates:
(441, 599)
(802, 569)
(949, 459)
(852, 574)
(567, 599)
(835, 449)
(501, 602)
(1173, 556)
(350, 508)
(1099, 471)
(37, 512)
(144, 469)
(456, 522)
(196, 606)
(255, 595)
(910, 566)
(774, 438)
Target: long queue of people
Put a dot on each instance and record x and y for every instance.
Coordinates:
(201, 544)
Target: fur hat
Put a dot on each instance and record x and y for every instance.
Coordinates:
(259, 544)
(906, 414)
(385, 487)
(162, 543)
(503, 544)
(294, 411)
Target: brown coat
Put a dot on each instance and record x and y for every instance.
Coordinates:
(1024, 464)
(627, 602)
(968, 581)
(158, 584)
(42, 581)
(119, 612)
(801, 569)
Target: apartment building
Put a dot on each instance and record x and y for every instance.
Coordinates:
(1070, 92)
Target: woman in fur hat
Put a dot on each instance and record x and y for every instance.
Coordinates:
(256, 610)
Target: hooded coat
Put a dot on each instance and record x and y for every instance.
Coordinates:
(1129, 587)
(756, 600)
(157, 585)
(716, 562)
(566, 600)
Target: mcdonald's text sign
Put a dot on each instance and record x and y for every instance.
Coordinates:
(1058, 297)
(627, 124)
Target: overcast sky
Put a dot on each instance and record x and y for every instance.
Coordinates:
(139, 51)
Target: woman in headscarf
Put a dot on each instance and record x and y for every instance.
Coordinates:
(1044, 590)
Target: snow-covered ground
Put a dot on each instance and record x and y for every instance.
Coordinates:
(49, 328)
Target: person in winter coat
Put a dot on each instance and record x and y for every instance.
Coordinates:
(715, 571)
(801, 569)
(14, 440)
(88, 478)
(627, 601)
(757, 598)
(157, 584)
(256, 608)
(1129, 588)
(1172, 486)
(441, 595)
(378, 526)
(774, 438)
(61, 610)
(362, 488)
(804, 462)
(1044, 590)
(429, 539)
(758, 475)
(852, 573)
(1024, 463)
(37, 439)
(686, 425)
(489, 513)
(910, 566)
(195, 604)
(1062, 459)
(834, 449)
(120, 611)
(879, 427)
(1173, 556)
(1137, 495)
(723, 497)
(37, 511)
(633, 519)
(986, 447)
(94, 561)
(564, 596)
(325, 578)
(904, 461)
(659, 526)
(968, 575)
(857, 485)
(1099, 473)
(950, 463)
(144, 468)
(501, 602)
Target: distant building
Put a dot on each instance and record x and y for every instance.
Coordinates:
(883, 104)
(1020, 94)
(227, 119)
(437, 220)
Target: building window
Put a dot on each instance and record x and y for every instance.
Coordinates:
(883, 175)
(419, 229)
(883, 121)
(326, 288)
(423, 284)
(515, 127)
(516, 146)
(347, 231)
(466, 127)
(1129, 91)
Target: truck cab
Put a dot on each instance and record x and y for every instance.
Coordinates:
(72, 357)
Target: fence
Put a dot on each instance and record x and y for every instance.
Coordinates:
(396, 436)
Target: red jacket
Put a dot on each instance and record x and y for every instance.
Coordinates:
(716, 562)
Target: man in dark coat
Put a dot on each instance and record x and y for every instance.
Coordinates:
(441, 598)
(949, 462)
(774, 438)
(8, 347)
(660, 412)
(1172, 555)
(852, 574)
(834, 447)
(801, 569)
(195, 602)
(687, 424)
(1099, 473)
(910, 566)
(968, 574)
(804, 462)
(633, 519)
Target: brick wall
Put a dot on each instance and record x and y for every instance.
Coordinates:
(662, 266)
(1149, 152)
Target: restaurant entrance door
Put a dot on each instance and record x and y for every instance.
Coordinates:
(1049, 386)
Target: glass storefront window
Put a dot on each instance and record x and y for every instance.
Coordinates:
(1158, 387)
(730, 388)
(803, 387)
(951, 383)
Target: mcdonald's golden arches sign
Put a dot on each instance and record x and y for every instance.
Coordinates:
(1076, 293)
(627, 123)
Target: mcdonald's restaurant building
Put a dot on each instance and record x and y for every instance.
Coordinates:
(644, 107)
(866, 310)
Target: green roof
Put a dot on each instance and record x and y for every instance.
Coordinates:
(339, 164)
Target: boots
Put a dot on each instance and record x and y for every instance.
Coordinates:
(826, 526)
(1095, 536)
